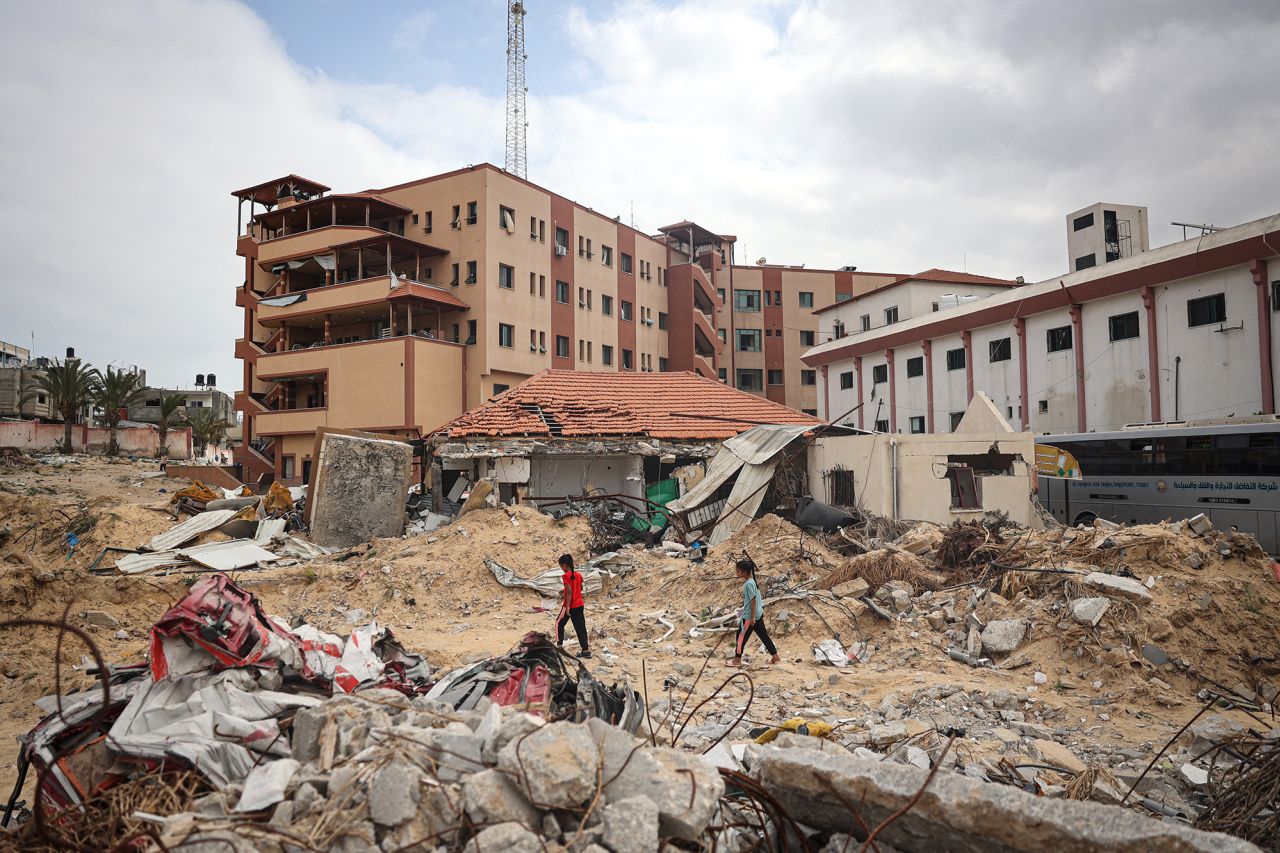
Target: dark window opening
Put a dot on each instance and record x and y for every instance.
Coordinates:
(840, 490)
(1000, 350)
(955, 359)
(1124, 326)
(915, 366)
(1059, 339)
(879, 374)
(846, 380)
(1082, 222)
(1206, 310)
(1086, 261)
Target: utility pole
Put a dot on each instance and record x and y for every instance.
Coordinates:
(517, 115)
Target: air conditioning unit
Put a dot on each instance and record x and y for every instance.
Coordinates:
(561, 251)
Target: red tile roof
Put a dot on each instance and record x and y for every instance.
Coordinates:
(934, 275)
(657, 405)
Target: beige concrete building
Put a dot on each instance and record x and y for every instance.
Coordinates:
(397, 309)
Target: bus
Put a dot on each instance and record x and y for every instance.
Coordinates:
(1145, 473)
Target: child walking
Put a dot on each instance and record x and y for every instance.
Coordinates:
(571, 606)
(752, 615)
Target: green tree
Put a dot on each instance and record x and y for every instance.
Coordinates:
(169, 415)
(69, 387)
(117, 390)
(206, 427)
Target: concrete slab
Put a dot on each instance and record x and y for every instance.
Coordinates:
(359, 489)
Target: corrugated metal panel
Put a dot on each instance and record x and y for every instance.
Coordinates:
(132, 564)
(226, 556)
(268, 529)
(190, 529)
(762, 443)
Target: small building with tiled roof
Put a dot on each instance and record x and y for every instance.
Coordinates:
(563, 433)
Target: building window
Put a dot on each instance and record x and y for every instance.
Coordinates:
(628, 360)
(916, 424)
(808, 377)
(507, 277)
(1059, 339)
(542, 341)
(882, 426)
(472, 214)
(1123, 326)
(454, 281)
(662, 320)
(471, 332)
(1206, 310)
(606, 305)
(750, 380)
(562, 346)
(533, 284)
(746, 301)
(879, 374)
(723, 335)
(498, 388)
(662, 364)
(915, 366)
(846, 380)
(562, 292)
(456, 220)
(865, 322)
(506, 335)
(625, 310)
(964, 488)
(506, 219)
(955, 420)
(286, 468)
(891, 315)
(1085, 261)
(562, 241)
(806, 299)
(471, 272)
(40, 398)
(840, 487)
(606, 354)
(775, 377)
(150, 404)
(1044, 407)
(426, 225)
(1000, 350)
(806, 337)
(724, 374)
(748, 340)
(606, 255)
(720, 293)
(955, 359)
(415, 219)
(1082, 222)
(625, 260)
(837, 329)
(533, 340)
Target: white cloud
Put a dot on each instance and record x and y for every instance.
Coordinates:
(891, 136)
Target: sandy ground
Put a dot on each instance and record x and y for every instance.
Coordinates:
(436, 594)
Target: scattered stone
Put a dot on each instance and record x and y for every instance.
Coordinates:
(937, 620)
(557, 764)
(883, 735)
(1196, 777)
(1194, 560)
(491, 797)
(1212, 730)
(394, 792)
(1127, 588)
(855, 588)
(505, 837)
(101, 619)
(1089, 611)
(1058, 755)
(901, 600)
(1002, 636)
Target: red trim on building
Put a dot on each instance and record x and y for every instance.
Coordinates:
(1163, 272)
(1153, 351)
(562, 314)
(1259, 270)
(1020, 326)
(1077, 323)
(928, 385)
(774, 358)
(893, 393)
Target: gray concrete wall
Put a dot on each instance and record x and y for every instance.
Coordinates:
(359, 490)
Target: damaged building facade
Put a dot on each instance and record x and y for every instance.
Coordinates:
(645, 439)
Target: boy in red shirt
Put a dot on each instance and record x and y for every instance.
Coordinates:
(571, 607)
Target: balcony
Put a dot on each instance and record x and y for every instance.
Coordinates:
(319, 241)
(288, 421)
(352, 300)
(705, 338)
(249, 351)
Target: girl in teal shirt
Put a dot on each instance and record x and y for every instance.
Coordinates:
(752, 615)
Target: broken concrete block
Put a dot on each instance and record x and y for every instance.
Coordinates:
(1194, 560)
(631, 825)
(1196, 777)
(1199, 524)
(888, 733)
(556, 764)
(1210, 731)
(359, 489)
(507, 837)
(394, 792)
(491, 797)
(1002, 636)
(900, 600)
(1058, 755)
(101, 619)
(1128, 588)
(512, 726)
(937, 620)
(685, 788)
(1089, 611)
(855, 588)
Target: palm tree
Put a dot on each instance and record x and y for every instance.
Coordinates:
(206, 427)
(69, 387)
(169, 406)
(117, 391)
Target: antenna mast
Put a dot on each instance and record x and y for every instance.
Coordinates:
(517, 117)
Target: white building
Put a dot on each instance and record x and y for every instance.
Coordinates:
(1102, 233)
(1182, 331)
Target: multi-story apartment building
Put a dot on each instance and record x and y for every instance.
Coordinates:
(202, 396)
(1179, 332)
(396, 310)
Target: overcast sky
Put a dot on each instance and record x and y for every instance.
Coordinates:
(895, 136)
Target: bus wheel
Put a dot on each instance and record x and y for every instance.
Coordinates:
(1085, 518)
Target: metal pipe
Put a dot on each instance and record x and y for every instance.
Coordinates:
(893, 474)
(1177, 373)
